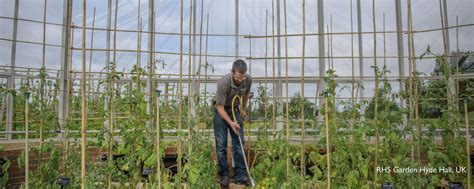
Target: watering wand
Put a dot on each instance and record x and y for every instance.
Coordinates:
(252, 182)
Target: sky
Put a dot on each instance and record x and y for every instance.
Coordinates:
(252, 18)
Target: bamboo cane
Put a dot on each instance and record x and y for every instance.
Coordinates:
(42, 88)
(180, 94)
(139, 45)
(111, 105)
(83, 100)
(266, 76)
(69, 92)
(27, 140)
(415, 97)
(468, 150)
(205, 57)
(42, 81)
(331, 54)
(447, 62)
(274, 104)
(248, 103)
(353, 78)
(302, 150)
(457, 74)
(90, 56)
(376, 98)
(200, 51)
(139, 59)
(286, 93)
(328, 151)
(190, 96)
(410, 68)
(158, 141)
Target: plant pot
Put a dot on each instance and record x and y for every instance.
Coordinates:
(63, 181)
(455, 185)
(146, 172)
(388, 185)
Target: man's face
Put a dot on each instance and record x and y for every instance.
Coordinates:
(239, 77)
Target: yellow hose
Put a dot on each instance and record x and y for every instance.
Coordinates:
(252, 182)
(233, 102)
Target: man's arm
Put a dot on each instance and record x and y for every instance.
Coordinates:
(223, 114)
(233, 124)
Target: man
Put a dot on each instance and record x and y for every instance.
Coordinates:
(238, 82)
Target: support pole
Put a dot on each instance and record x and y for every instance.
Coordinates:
(401, 63)
(11, 80)
(83, 100)
(445, 28)
(279, 88)
(27, 140)
(192, 91)
(90, 56)
(287, 123)
(302, 152)
(237, 29)
(468, 138)
(321, 53)
(107, 58)
(361, 54)
(158, 141)
(180, 96)
(151, 57)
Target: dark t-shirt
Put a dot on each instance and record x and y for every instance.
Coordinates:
(226, 89)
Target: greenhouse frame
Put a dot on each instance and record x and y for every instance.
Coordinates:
(345, 94)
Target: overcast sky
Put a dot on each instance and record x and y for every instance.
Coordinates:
(426, 15)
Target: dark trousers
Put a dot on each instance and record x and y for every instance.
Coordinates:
(221, 128)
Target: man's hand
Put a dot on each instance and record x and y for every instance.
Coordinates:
(234, 125)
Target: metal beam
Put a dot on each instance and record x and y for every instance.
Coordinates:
(151, 57)
(11, 78)
(321, 51)
(237, 29)
(279, 88)
(63, 85)
(193, 87)
(446, 25)
(107, 42)
(401, 62)
(361, 50)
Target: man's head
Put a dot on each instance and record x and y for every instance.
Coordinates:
(239, 70)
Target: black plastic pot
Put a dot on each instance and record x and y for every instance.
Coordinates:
(63, 181)
(146, 172)
(455, 185)
(388, 185)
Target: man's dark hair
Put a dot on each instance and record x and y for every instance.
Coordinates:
(239, 66)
